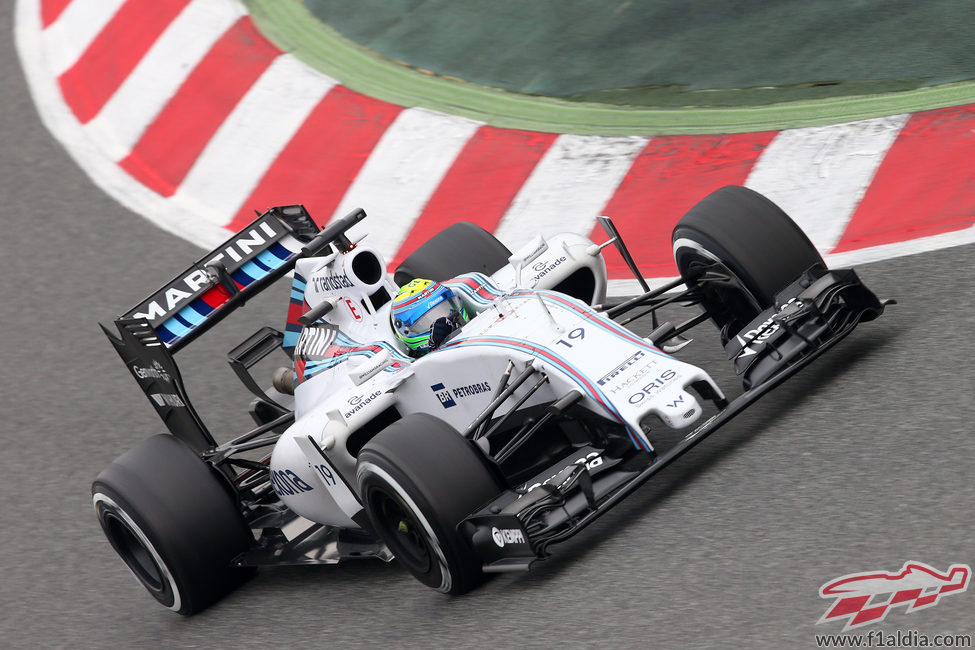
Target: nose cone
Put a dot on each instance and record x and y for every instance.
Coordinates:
(677, 409)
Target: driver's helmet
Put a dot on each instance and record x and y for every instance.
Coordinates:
(418, 305)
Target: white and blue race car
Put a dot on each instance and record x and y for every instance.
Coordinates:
(533, 418)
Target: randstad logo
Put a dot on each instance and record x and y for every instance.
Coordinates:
(865, 598)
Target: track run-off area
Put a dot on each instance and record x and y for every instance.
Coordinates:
(187, 114)
(859, 463)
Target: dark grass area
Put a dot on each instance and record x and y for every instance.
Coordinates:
(671, 52)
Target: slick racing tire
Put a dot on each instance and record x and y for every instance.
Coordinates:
(461, 248)
(419, 478)
(173, 522)
(750, 250)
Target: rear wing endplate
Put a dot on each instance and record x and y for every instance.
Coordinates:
(151, 332)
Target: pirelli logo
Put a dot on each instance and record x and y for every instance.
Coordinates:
(618, 370)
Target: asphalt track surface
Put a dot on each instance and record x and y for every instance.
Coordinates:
(862, 462)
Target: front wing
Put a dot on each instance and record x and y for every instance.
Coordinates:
(814, 314)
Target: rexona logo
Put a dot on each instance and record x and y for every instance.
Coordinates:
(865, 598)
(449, 396)
(502, 536)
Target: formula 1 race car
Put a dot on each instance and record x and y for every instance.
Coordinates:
(529, 421)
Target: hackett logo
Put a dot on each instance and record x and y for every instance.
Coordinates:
(865, 598)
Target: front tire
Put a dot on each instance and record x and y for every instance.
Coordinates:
(740, 249)
(461, 248)
(419, 479)
(173, 522)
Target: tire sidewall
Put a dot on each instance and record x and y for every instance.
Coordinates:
(438, 478)
(375, 473)
(160, 498)
(109, 504)
(753, 240)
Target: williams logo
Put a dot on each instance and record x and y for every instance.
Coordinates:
(865, 598)
(443, 395)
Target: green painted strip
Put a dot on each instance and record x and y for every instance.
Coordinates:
(295, 30)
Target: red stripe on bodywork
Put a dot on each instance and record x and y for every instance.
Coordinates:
(215, 296)
(669, 176)
(172, 143)
(924, 186)
(51, 9)
(111, 57)
(323, 157)
(481, 184)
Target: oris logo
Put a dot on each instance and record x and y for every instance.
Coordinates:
(504, 536)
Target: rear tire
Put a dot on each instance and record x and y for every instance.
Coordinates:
(461, 248)
(419, 478)
(173, 522)
(741, 234)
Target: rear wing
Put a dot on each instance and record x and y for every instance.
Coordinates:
(151, 332)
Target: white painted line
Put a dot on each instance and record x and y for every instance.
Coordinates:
(103, 171)
(569, 187)
(900, 249)
(819, 175)
(403, 171)
(67, 38)
(247, 142)
(160, 73)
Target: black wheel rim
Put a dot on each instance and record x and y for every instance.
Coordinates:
(730, 304)
(133, 552)
(402, 531)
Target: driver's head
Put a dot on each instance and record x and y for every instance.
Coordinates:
(420, 304)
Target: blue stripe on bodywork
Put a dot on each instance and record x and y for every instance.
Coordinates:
(191, 316)
(253, 270)
(569, 369)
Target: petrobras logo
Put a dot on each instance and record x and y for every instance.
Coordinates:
(443, 395)
(502, 536)
(448, 396)
(866, 598)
